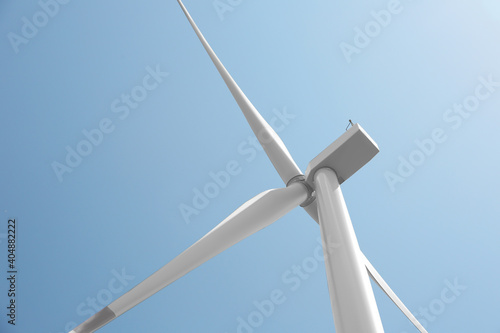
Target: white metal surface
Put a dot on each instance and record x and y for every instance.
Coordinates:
(353, 303)
(392, 295)
(346, 155)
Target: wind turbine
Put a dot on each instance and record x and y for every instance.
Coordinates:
(318, 192)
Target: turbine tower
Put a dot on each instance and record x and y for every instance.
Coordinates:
(318, 192)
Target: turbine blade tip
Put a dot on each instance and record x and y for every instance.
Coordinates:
(95, 322)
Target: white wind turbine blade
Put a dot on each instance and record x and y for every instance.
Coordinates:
(252, 216)
(391, 294)
(268, 138)
(270, 141)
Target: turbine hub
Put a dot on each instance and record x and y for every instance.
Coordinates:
(311, 196)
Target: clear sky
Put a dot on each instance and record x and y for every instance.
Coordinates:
(113, 117)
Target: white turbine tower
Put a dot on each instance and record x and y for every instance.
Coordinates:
(318, 191)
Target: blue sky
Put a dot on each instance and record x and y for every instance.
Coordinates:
(423, 82)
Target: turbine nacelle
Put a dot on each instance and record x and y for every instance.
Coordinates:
(345, 156)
